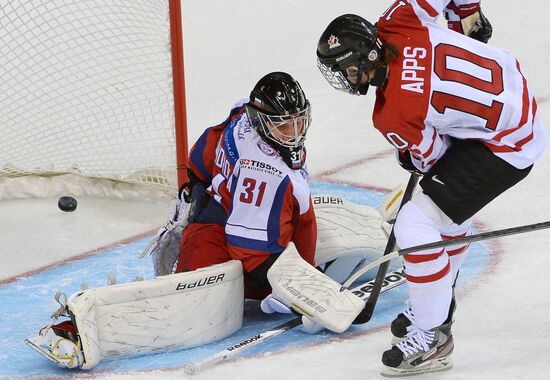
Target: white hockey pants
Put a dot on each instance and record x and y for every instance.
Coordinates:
(430, 274)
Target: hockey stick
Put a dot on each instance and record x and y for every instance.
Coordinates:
(365, 315)
(392, 280)
(445, 243)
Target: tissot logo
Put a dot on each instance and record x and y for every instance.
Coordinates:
(261, 166)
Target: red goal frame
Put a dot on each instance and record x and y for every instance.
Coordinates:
(178, 79)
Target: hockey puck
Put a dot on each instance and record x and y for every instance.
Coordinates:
(67, 204)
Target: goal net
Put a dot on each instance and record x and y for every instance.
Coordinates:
(87, 96)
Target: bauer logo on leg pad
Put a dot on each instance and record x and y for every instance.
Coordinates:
(327, 199)
(202, 282)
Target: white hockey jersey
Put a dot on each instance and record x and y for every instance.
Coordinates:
(446, 84)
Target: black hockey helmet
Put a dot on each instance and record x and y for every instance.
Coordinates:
(280, 112)
(350, 40)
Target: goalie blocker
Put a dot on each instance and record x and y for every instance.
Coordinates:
(175, 311)
(347, 235)
(316, 296)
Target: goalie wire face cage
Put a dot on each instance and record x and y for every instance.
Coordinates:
(93, 88)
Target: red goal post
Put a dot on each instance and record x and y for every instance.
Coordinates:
(91, 92)
(178, 75)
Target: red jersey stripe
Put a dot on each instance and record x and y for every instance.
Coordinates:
(417, 259)
(430, 278)
(448, 237)
(428, 8)
(524, 110)
(454, 252)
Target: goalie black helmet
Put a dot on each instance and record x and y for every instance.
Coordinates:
(279, 111)
(350, 41)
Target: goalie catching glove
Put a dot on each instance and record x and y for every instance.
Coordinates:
(165, 247)
(347, 235)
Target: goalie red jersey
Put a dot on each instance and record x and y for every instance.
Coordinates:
(445, 84)
(203, 152)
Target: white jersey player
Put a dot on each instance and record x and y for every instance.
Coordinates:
(460, 113)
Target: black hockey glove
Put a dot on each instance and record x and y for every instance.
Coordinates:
(405, 161)
(482, 29)
(469, 21)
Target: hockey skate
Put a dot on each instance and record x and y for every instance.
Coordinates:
(401, 324)
(59, 343)
(421, 351)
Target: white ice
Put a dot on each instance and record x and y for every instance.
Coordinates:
(503, 324)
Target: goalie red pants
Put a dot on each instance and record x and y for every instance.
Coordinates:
(203, 245)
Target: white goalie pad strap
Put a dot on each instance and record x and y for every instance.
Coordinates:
(174, 311)
(299, 285)
(346, 228)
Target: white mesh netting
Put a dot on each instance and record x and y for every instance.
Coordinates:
(86, 88)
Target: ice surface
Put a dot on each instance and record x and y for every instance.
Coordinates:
(503, 324)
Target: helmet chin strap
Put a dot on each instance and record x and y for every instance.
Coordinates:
(380, 76)
(379, 79)
(360, 88)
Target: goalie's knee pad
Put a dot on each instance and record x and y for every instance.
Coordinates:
(349, 234)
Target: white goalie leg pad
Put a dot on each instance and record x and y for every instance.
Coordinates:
(169, 312)
(347, 235)
(315, 295)
(344, 226)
